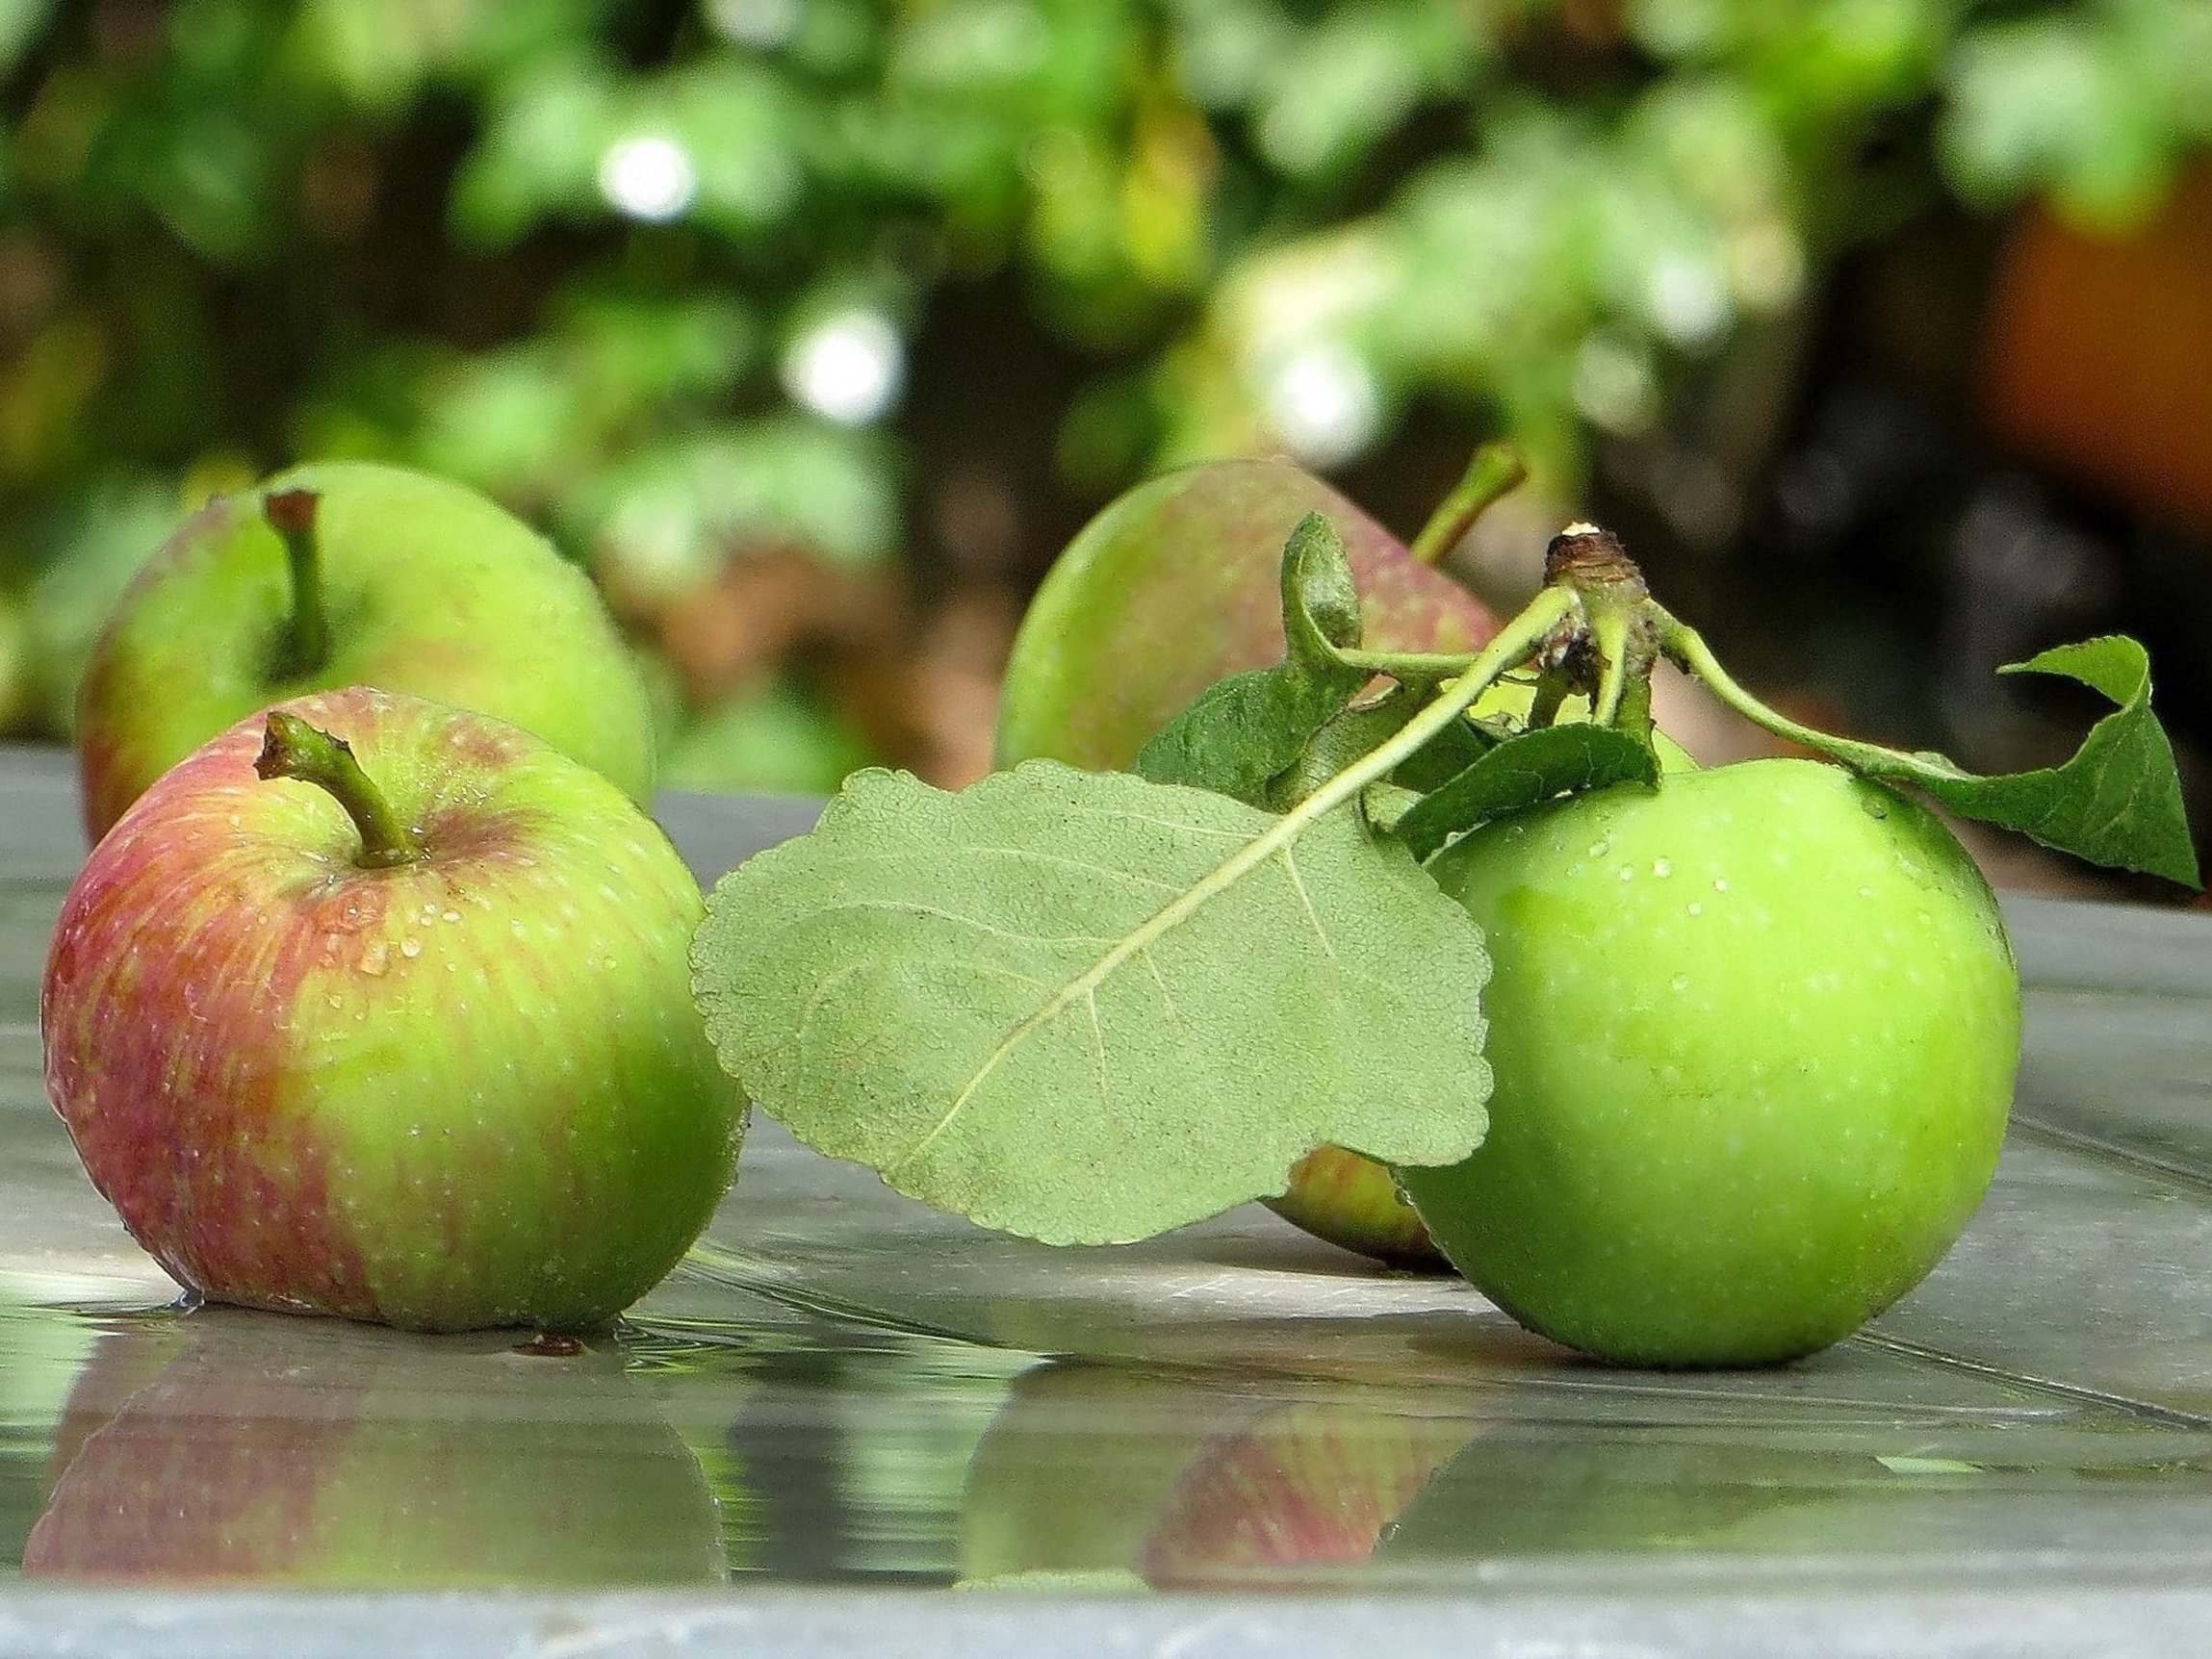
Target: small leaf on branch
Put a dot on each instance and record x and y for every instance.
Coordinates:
(2116, 803)
(1321, 601)
(1089, 1009)
(1244, 731)
(1524, 772)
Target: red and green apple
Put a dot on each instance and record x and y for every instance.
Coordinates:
(378, 1007)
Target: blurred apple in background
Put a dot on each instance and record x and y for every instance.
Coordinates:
(238, 1447)
(346, 572)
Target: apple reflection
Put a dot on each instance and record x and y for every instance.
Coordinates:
(1106, 1475)
(259, 1448)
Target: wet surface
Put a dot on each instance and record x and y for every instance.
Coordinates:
(843, 1388)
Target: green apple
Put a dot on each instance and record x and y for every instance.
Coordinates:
(229, 1447)
(346, 572)
(401, 1030)
(1754, 1034)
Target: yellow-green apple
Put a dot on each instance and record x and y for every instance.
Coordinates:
(230, 1447)
(378, 1007)
(346, 573)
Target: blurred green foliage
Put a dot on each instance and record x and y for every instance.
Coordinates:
(650, 272)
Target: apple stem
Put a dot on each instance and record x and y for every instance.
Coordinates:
(307, 754)
(1495, 470)
(291, 514)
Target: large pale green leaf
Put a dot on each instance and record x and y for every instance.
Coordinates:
(1087, 1008)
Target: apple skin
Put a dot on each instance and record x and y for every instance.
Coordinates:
(1754, 1036)
(1349, 1199)
(466, 1092)
(430, 588)
(228, 1447)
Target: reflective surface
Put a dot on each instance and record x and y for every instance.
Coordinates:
(843, 1388)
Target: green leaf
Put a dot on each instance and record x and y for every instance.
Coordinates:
(1347, 737)
(1087, 1008)
(2118, 802)
(1321, 601)
(1244, 731)
(1524, 772)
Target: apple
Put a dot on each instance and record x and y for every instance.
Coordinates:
(1174, 585)
(222, 1446)
(346, 573)
(1349, 1199)
(1177, 583)
(396, 1027)
(1754, 1034)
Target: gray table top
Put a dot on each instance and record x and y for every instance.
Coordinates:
(877, 1402)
